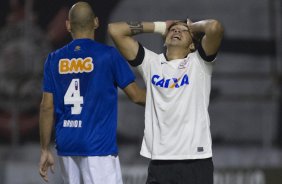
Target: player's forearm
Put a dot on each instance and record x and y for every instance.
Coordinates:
(141, 99)
(130, 28)
(135, 93)
(209, 27)
(122, 34)
(137, 27)
(45, 126)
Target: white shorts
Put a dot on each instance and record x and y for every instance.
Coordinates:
(90, 170)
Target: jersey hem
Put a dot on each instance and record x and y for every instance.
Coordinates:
(176, 157)
(86, 154)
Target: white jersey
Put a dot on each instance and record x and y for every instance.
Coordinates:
(177, 123)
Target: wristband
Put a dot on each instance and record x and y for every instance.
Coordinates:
(160, 27)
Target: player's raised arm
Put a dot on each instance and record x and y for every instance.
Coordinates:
(122, 34)
(213, 34)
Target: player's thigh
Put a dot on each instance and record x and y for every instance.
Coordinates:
(162, 172)
(101, 170)
(180, 171)
(70, 170)
(198, 171)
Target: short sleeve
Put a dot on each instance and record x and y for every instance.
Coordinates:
(47, 76)
(122, 73)
(139, 57)
(145, 67)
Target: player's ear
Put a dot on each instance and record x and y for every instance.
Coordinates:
(192, 47)
(68, 26)
(96, 22)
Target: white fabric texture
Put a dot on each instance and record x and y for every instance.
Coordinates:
(90, 170)
(177, 123)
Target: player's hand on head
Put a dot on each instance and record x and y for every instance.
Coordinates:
(189, 22)
(190, 27)
(169, 23)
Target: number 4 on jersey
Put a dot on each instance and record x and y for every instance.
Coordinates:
(72, 97)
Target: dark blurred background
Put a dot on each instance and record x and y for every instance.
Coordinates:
(246, 100)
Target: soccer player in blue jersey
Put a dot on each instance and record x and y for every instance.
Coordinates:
(80, 97)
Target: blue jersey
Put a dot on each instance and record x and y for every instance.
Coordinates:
(83, 77)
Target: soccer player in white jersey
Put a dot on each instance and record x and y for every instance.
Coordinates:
(80, 91)
(177, 135)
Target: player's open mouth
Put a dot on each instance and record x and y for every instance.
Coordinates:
(176, 37)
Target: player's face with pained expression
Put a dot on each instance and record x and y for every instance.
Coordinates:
(178, 35)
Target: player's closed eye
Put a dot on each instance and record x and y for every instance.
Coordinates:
(180, 30)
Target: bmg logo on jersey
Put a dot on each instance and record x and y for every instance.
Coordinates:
(76, 65)
(170, 83)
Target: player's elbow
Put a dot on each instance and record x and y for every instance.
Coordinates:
(139, 97)
(110, 29)
(113, 29)
(46, 108)
(215, 28)
(140, 102)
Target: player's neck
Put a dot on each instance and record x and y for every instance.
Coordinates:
(84, 35)
(176, 53)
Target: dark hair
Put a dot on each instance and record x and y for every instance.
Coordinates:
(175, 23)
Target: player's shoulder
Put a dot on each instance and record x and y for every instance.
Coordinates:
(100, 48)
(58, 51)
(153, 56)
(95, 47)
(151, 53)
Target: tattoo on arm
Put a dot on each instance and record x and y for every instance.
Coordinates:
(136, 27)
